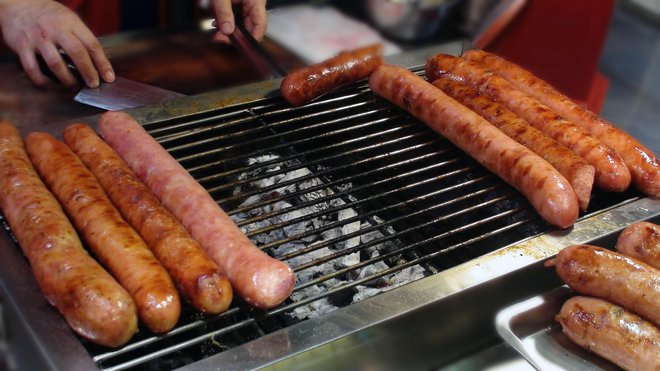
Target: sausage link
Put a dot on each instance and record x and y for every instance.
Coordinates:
(91, 301)
(258, 278)
(577, 170)
(114, 242)
(641, 241)
(594, 271)
(644, 166)
(192, 270)
(611, 173)
(611, 332)
(307, 83)
(547, 190)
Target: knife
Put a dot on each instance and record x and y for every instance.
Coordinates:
(118, 95)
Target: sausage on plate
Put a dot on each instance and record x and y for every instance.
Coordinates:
(594, 271)
(641, 241)
(611, 173)
(545, 188)
(115, 243)
(308, 83)
(192, 270)
(576, 169)
(644, 166)
(611, 332)
(258, 278)
(91, 301)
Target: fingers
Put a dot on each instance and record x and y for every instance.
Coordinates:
(97, 54)
(224, 16)
(56, 64)
(80, 57)
(255, 18)
(31, 67)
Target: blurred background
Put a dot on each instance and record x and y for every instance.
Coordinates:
(603, 53)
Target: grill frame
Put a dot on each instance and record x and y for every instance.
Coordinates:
(346, 324)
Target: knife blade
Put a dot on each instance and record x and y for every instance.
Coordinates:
(123, 94)
(118, 95)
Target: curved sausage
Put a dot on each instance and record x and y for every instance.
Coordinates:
(114, 242)
(547, 190)
(611, 332)
(307, 83)
(644, 166)
(641, 241)
(577, 170)
(258, 278)
(91, 301)
(594, 271)
(611, 173)
(192, 270)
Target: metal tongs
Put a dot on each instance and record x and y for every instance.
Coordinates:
(260, 58)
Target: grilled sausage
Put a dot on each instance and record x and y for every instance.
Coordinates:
(114, 242)
(611, 173)
(91, 301)
(258, 278)
(192, 270)
(644, 166)
(641, 241)
(307, 83)
(547, 190)
(576, 169)
(595, 271)
(611, 332)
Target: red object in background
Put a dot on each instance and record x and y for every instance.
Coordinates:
(102, 17)
(561, 41)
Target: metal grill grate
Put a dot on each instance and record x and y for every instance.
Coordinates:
(355, 194)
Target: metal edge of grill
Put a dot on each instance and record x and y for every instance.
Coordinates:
(348, 323)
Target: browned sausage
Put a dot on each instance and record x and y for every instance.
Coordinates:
(90, 300)
(641, 241)
(576, 169)
(114, 242)
(305, 84)
(547, 190)
(594, 271)
(258, 278)
(611, 173)
(642, 163)
(611, 332)
(193, 271)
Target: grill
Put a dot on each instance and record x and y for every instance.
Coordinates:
(355, 194)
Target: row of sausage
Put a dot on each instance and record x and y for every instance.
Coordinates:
(145, 219)
(619, 315)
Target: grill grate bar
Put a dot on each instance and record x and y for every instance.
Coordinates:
(318, 230)
(303, 154)
(342, 180)
(256, 143)
(357, 202)
(244, 132)
(395, 235)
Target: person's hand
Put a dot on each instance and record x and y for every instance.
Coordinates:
(43, 27)
(254, 18)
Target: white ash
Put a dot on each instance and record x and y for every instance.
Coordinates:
(326, 201)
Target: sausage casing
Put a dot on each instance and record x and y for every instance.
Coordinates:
(90, 300)
(192, 270)
(113, 241)
(594, 271)
(576, 169)
(546, 189)
(644, 166)
(258, 278)
(611, 173)
(641, 241)
(307, 83)
(611, 332)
